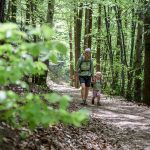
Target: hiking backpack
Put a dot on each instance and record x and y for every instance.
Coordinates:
(83, 61)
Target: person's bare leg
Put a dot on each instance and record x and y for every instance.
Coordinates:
(83, 91)
(83, 94)
(98, 100)
(94, 96)
(93, 100)
(86, 92)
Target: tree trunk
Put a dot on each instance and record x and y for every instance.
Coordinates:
(138, 60)
(8, 15)
(35, 78)
(33, 17)
(122, 47)
(88, 26)
(147, 55)
(107, 23)
(130, 69)
(50, 12)
(77, 34)
(71, 55)
(99, 24)
(28, 12)
(14, 11)
(2, 9)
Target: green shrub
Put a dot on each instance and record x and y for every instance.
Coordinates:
(17, 61)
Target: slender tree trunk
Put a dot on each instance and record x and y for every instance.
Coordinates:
(35, 78)
(138, 60)
(8, 15)
(50, 12)
(130, 70)
(71, 55)
(122, 47)
(88, 26)
(33, 17)
(116, 72)
(2, 9)
(28, 12)
(99, 24)
(14, 11)
(107, 23)
(77, 34)
(147, 54)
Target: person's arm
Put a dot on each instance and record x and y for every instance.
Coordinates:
(77, 67)
(93, 80)
(92, 69)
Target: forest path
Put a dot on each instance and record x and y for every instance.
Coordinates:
(124, 123)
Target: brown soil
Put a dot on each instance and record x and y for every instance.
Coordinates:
(115, 125)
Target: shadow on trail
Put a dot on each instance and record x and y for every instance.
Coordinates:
(128, 121)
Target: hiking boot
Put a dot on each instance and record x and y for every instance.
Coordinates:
(83, 102)
(98, 104)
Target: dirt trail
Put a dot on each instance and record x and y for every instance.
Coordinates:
(125, 124)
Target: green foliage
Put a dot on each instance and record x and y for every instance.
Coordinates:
(17, 60)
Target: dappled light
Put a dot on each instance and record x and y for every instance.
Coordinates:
(74, 74)
(132, 122)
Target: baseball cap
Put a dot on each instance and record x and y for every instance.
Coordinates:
(87, 50)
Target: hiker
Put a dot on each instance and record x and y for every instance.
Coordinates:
(84, 71)
(96, 85)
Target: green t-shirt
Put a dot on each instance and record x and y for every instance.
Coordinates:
(85, 68)
(97, 85)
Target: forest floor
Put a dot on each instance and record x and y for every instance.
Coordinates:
(115, 125)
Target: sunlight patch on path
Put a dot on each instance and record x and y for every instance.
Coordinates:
(115, 111)
(123, 120)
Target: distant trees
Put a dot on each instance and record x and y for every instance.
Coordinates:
(116, 32)
(117, 44)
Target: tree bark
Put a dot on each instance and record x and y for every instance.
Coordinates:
(28, 12)
(14, 11)
(122, 47)
(146, 93)
(50, 12)
(8, 15)
(88, 26)
(99, 24)
(138, 59)
(71, 55)
(110, 52)
(2, 9)
(130, 69)
(77, 34)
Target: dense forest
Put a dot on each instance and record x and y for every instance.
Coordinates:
(43, 39)
(117, 33)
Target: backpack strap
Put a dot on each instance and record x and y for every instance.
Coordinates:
(83, 61)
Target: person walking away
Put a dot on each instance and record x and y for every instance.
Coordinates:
(85, 71)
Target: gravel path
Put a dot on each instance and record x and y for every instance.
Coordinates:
(125, 125)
